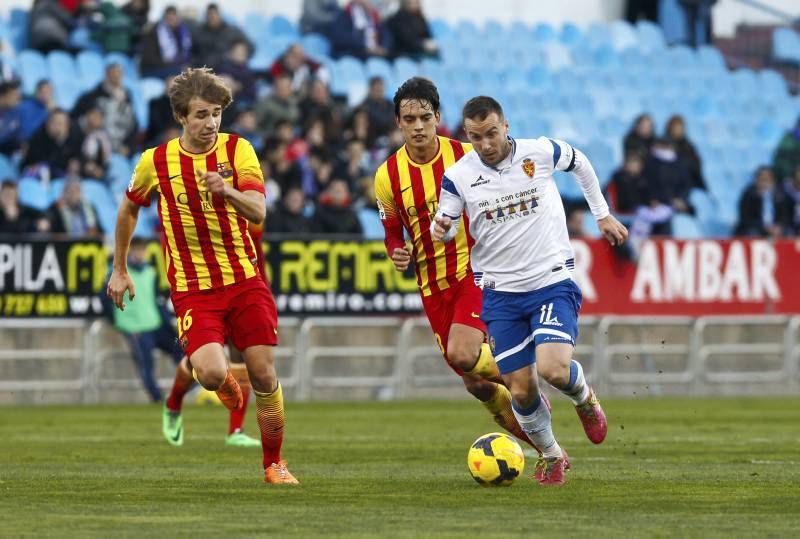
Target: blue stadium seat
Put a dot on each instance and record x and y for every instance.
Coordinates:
(35, 69)
(129, 69)
(772, 84)
(151, 88)
(405, 68)
(440, 29)
(8, 171)
(651, 38)
(544, 32)
(682, 57)
(686, 227)
(709, 57)
(379, 67)
(316, 45)
(590, 225)
(605, 57)
(281, 26)
(557, 56)
(67, 92)
(91, 68)
(786, 45)
(32, 193)
(744, 82)
(120, 168)
(255, 26)
(467, 31)
(571, 35)
(622, 35)
(370, 223)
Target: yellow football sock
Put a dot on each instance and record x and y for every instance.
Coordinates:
(486, 367)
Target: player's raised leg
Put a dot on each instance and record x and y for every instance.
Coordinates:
(556, 365)
(172, 420)
(236, 436)
(211, 366)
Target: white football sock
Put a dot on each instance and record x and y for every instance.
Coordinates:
(578, 392)
(537, 424)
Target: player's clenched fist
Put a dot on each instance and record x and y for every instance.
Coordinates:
(401, 258)
(441, 227)
(214, 183)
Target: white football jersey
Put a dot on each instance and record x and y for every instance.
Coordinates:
(515, 212)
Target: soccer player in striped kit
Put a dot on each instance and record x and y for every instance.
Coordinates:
(407, 188)
(209, 186)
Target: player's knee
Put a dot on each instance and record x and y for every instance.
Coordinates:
(211, 378)
(554, 372)
(462, 355)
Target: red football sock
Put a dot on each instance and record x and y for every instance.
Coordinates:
(239, 371)
(183, 383)
(269, 410)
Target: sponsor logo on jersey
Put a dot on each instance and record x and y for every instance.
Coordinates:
(479, 181)
(528, 167)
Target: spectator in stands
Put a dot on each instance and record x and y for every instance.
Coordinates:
(116, 104)
(160, 118)
(358, 126)
(167, 47)
(72, 214)
(16, 218)
(299, 67)
(764, 210)
(669, 181)
(11, 126)
(334, 212)
(97, 146)
(628, 189)
(214, 38)
(787, 155)
(6, 57)
(56, 146)
(357, 31)
(698, 21)
(575, 219)
(317, 16)
(138, 12)
(791, 187)
(318, 105)
(350, 165)
(236, 66)
(282, 104)
(285, 173)
(411, 33)
(379, 109)
(144, 323)
(245, 125)
(49, 26)
(289, 215)
(636, 10)
(113, 29)
(34, 109)
(641, 136)
(321, 164)
(687, 154)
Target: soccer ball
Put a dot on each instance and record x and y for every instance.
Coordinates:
(495, 459)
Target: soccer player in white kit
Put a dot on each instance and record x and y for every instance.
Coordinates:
(522, 259)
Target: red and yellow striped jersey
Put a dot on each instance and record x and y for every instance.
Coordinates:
(206, 243)
(408, 195)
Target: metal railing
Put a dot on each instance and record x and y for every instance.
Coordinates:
(603, 344)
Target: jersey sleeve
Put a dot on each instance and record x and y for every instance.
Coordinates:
(388, 212)
(563, 155)
(144, 180)
(248, 169)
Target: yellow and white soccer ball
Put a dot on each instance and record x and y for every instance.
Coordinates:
(495, 459)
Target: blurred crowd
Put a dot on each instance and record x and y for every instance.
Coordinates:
(318, 155)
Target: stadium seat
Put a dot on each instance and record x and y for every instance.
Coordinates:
(35, 70)
(151, 88)
(255, 26)
(32, 193)
(571, 35)
(8, 171)
(544, 32)
(131, 73)
(709, 57)
(405, 68)
(440, 29)
(379, 67)
(91, 68)
(772, 84)
(316, 45)
(370, 223)
(786, 45)
(682, 57)
(557, 56)
(622, 36)
(651, 38)
(119, 168)
(281, 26)
(61, 66)
(686, 227)
(590, 225)
(67, 92)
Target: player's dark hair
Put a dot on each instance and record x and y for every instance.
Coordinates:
(418, 89)
(478, 108)
(199, 82)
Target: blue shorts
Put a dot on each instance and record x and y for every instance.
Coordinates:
(518, 322)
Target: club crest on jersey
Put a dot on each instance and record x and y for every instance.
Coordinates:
(528, 167)
(224, 169)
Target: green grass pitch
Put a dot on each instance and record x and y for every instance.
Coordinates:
(669, 468)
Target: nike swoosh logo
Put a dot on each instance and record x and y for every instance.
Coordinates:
(173, 177)
(177, 435)
(406, 189)
(475, 315)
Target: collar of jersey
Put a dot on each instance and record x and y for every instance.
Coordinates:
(211, 149)
(434, 158)
(513, 151)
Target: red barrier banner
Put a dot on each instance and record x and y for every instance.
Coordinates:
(697, 277)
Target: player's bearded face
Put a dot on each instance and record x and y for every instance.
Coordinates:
(201, 124)
(489, 137)
(418, 123)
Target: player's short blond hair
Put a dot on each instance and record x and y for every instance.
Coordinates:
(200, 82)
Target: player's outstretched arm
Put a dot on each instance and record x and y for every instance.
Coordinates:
(120, 280)
(249, 204)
